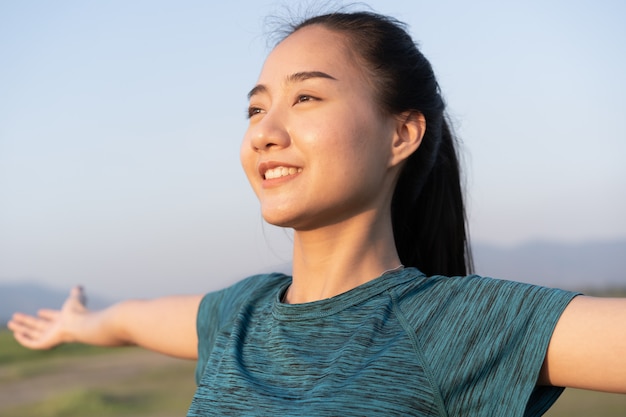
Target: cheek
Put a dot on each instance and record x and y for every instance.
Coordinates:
(329, 132)
(331, 149)
(244, 155)
(354, 147)
(247, 160)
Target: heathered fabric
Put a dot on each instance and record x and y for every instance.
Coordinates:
(401, 345)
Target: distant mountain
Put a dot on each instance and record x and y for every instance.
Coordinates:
(579, 267)
(584, 266)
(28, 297)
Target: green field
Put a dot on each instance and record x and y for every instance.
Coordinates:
(81, 381)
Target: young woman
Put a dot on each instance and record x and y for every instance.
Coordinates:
(348, 146)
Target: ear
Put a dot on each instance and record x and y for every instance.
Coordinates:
(410, 129)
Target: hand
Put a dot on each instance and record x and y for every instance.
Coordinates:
(50, 327)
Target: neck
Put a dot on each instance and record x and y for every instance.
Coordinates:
(335, 259)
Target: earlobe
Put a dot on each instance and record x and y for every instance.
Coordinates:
(410, 130)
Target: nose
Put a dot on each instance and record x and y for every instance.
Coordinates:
(267, 132)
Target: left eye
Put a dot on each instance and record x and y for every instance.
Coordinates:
(303, 98)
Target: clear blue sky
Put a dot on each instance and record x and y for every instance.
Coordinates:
(120, 125)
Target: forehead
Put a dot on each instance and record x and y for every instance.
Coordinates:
(312, 48)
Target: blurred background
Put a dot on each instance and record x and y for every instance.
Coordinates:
(120, 125)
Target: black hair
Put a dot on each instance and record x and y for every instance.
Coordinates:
(427, 209)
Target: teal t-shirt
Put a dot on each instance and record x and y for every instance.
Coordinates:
(401, 345)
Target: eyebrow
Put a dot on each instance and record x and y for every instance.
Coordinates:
(293, 78)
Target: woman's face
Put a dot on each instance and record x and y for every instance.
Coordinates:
(317, 149)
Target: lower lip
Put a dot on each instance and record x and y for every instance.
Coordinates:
(274, 182)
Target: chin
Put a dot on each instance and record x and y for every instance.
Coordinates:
(288, 220)
(279, 219)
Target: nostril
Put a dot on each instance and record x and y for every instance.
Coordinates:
(263, 146)
(266, 135)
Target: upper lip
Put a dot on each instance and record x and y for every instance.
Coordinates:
(267, 165)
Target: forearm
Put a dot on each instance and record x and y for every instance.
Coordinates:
(99, 328)
(166, 325)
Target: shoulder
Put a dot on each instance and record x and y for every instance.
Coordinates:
(480, 306)
(218, 309)
(245, 291)
(476, 291)
(484, 333)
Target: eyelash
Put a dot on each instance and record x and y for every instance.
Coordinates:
(252, 111)
(304, 97)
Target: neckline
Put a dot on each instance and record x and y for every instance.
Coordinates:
(333, 305)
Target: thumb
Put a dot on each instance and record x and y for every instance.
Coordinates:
(77, 298)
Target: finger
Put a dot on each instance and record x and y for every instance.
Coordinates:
(26, 321)
(48, 314)
(78, 292)
(29, 340)
(23, 330)
(14, 326)
(76, 300)
(21, 318)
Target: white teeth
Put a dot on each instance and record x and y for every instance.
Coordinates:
(281, 172)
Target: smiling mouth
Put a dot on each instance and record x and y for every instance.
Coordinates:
(281, 172)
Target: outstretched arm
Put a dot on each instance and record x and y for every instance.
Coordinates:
(588, 347)
(166, 325)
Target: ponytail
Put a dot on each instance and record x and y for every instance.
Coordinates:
(428, 214)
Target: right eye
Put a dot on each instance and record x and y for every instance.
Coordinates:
(252, 111)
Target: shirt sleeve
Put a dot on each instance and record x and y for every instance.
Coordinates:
(218, 309)
(486, 341)
(209, 315)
